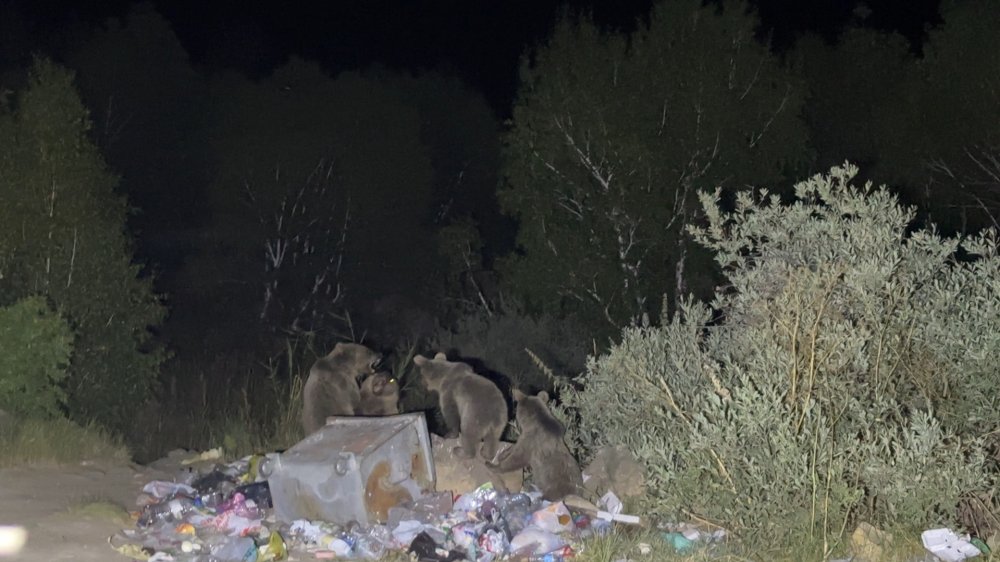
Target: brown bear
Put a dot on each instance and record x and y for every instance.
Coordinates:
(472, 406)
(332, 386)
(540, 446)
(379, 395)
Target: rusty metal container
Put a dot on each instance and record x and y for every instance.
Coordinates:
(352, 469)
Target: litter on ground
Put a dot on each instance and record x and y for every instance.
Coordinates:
(356, 489)
(360, 488)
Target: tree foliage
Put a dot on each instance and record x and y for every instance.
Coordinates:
(62, 236)
(959, 114)
(611, 137)
(860, 95)
(37, 344)
(927, 124)
(846, 375)
(148, 107)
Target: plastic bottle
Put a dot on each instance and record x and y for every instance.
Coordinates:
(368, 548)
(170, 511)
(211, 499)
(238, 549)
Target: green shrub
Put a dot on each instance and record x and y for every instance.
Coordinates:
(845, 374)
(37, 345)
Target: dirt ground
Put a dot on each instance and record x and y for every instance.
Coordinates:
(69, 511)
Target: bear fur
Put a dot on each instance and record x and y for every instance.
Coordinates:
(379, 395)
(540, 446)
(472, 406)
(332, 386)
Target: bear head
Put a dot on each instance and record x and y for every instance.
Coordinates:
(355, 358)
(435, 371)
(382, 384)
(533, 414)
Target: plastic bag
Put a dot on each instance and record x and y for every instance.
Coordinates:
(533, 541)
(555, 518)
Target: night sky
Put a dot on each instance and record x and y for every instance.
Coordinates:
(480, 41)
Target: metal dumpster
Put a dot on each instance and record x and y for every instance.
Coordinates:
(352, 469)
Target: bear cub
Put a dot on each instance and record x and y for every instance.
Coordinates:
(332, 386)
(540, 446)
(379, 395)
(472, 406)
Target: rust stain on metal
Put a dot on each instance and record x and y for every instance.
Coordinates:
(380, 494)
(418, 471)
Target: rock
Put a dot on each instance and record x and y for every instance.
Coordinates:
(460, 475)
(614, 468)
(869, 544)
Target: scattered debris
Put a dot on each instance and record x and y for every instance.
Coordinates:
(334, 495)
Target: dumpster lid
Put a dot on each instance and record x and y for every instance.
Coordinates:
(357, 435)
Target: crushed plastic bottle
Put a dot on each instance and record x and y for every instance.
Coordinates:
(238, 549)
(170, 511)
(369, 547)
(472, 500)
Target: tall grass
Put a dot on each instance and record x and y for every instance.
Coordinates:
(235, 401)
(57, 441)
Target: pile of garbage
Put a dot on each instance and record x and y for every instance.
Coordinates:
(224, 513)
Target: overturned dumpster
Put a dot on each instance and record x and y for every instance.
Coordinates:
(352, 469)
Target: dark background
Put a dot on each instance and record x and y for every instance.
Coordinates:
(423, 104)
(481, 41)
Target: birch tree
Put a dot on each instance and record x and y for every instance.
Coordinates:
(320, 201)
(612, 136)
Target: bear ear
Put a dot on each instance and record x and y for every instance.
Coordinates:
(440, 357)
(419, 360)
(518, 395)
(543, 396)
(378, 383)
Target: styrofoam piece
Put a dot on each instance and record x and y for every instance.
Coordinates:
(948, 546)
